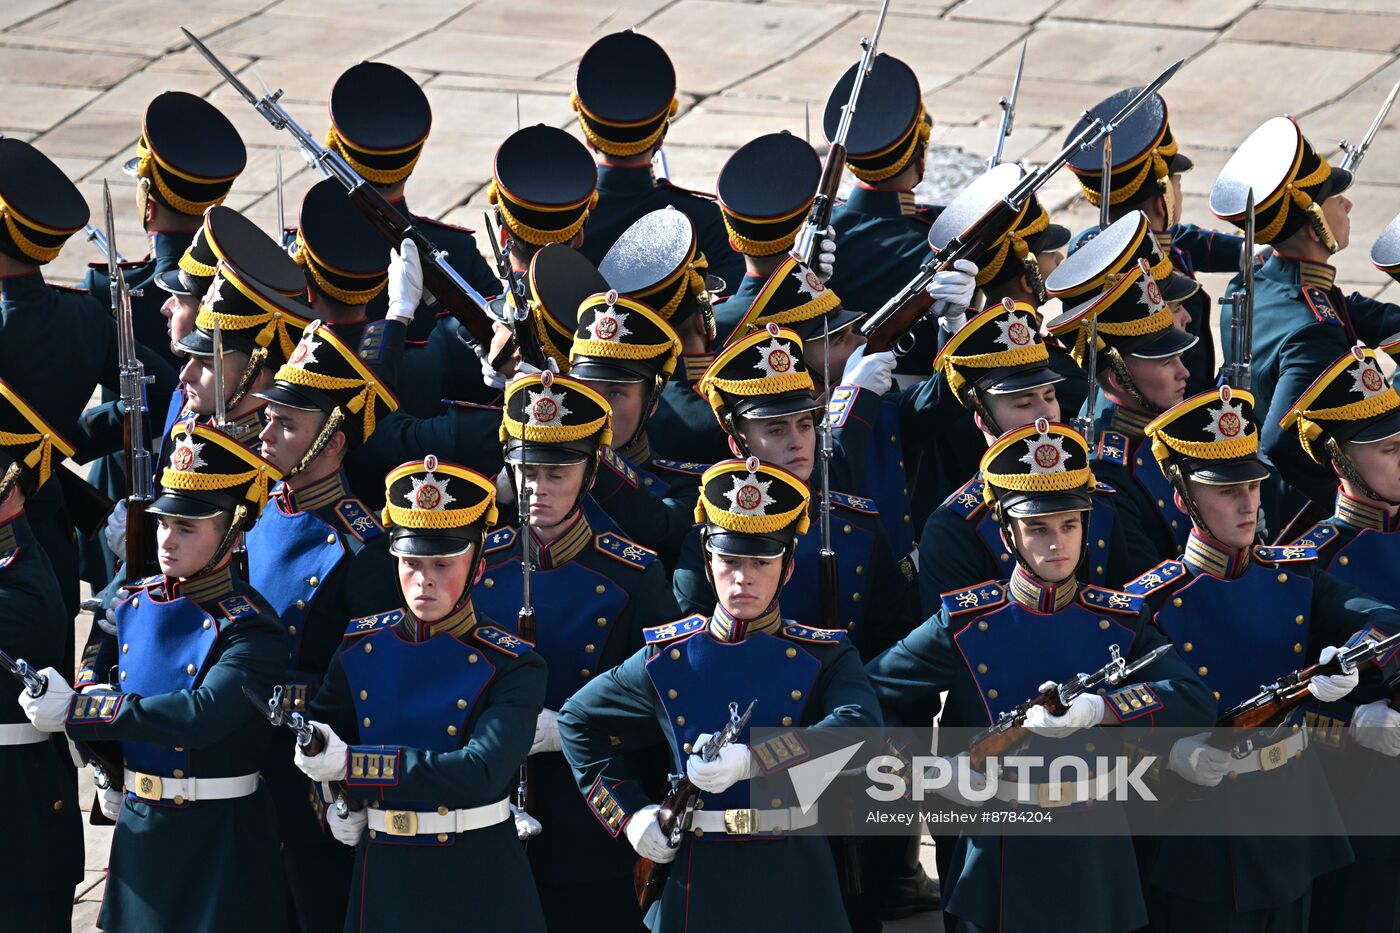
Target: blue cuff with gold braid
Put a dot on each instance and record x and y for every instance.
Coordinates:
(373, 766)
(781, 751)
(1133, 701)
(606, 807)
(88, 709)
(1375, 635)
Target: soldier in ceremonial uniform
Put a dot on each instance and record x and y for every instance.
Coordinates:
(1302, 322)
(593, 594)
(428, 715)
(762, 393)
(1224, 593)
(682, 684)
(1015, 265)
(192, 639)
(658, 262)
(625, 96)
(1121, 279)
(1350, 418)
(994, 645)
(45, 848)
(1146, 176)
(379, 122)
(765, 190)
(999, 367)
(543, 185)
(319, 557)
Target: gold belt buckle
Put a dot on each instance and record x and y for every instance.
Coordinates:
(401, 822)
(148, 786)
(1066, 789)
(740, 822)
(1273, 756)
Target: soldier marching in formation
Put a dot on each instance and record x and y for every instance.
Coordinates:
(510, 549)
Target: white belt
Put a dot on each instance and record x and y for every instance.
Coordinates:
(435, 822)
(1271, 756)
(747, 822)
(186, 790)
(1059, 793)
(21, 733)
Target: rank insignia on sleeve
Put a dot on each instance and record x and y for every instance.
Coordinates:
(1317, 535)
(619, 466)
(779, 752)
(1106, 600)
(1133, 701)
(357, 519)
(628, 552)
(1321, 303)
(373, 766)
(88, 708)
(855, 503)
(501, 640)
(1375, 635)
(840, 406)
(1102, 488)
(372, 623)
(7, 557)
(1156, 578)
(680, 466)
(372, 342)
(966, 502)
(659, 633)
(606, 807)
(499, 540)
(982, 596)
(1285, 553)
(1113, 448)
(238, 607)
(814, 636)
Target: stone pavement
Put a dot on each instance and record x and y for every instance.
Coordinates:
(79, 73)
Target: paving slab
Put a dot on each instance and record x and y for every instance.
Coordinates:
(147, 25)
(65, 68)
(338, 38)
(1340, 30)
(1008, 11)
(1194, 14)
(573, 22)
(485, 54)
(34, 107)
(1094, 52)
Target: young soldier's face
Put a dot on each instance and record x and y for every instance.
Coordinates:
(432, 586)
(1161, 382)
(1018, 409)
(628, 401)
(1231, 513)
(745, 586)
(1051, 544)
(553, 488)
(1379, 465)
(1049, 262)
(197, 377)
(789, 441)
(180, 312)
(1337, 210)
(185, 546)
(288, 435)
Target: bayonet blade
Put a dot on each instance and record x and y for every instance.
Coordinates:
(219, 66)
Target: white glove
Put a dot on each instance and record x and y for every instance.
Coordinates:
(963, 775)
(733, 764)
(826, 254)
(1331, 687)
(1263, 253)
(525, 824)
(348, 829)
(546, 732)
(1085, 712)
(115, 531)
(405, 282)
(951, 291)
(647, 838)
(1198, 761)
(1376, 726)
(528, 369)
(330, 764)
(874, 372)
(505, 489)
(109, 801)
(49, 710)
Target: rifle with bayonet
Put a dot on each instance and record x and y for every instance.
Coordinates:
(885, 328)
(828, 572)
(517, 303)
(106, 769)
(1084, 423)
(674, 815)
(1008, 111)
(140, 549)
(525, 619)
(1009, 731)
(1355, 153)
(1272, 704)
(804, 247)
(1236, 372)
(439, 278)
(311, 742)
(99, 239)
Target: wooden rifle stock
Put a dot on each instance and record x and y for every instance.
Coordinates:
(829, 585)
(648, 877)
(819, 217)
(993, 744)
